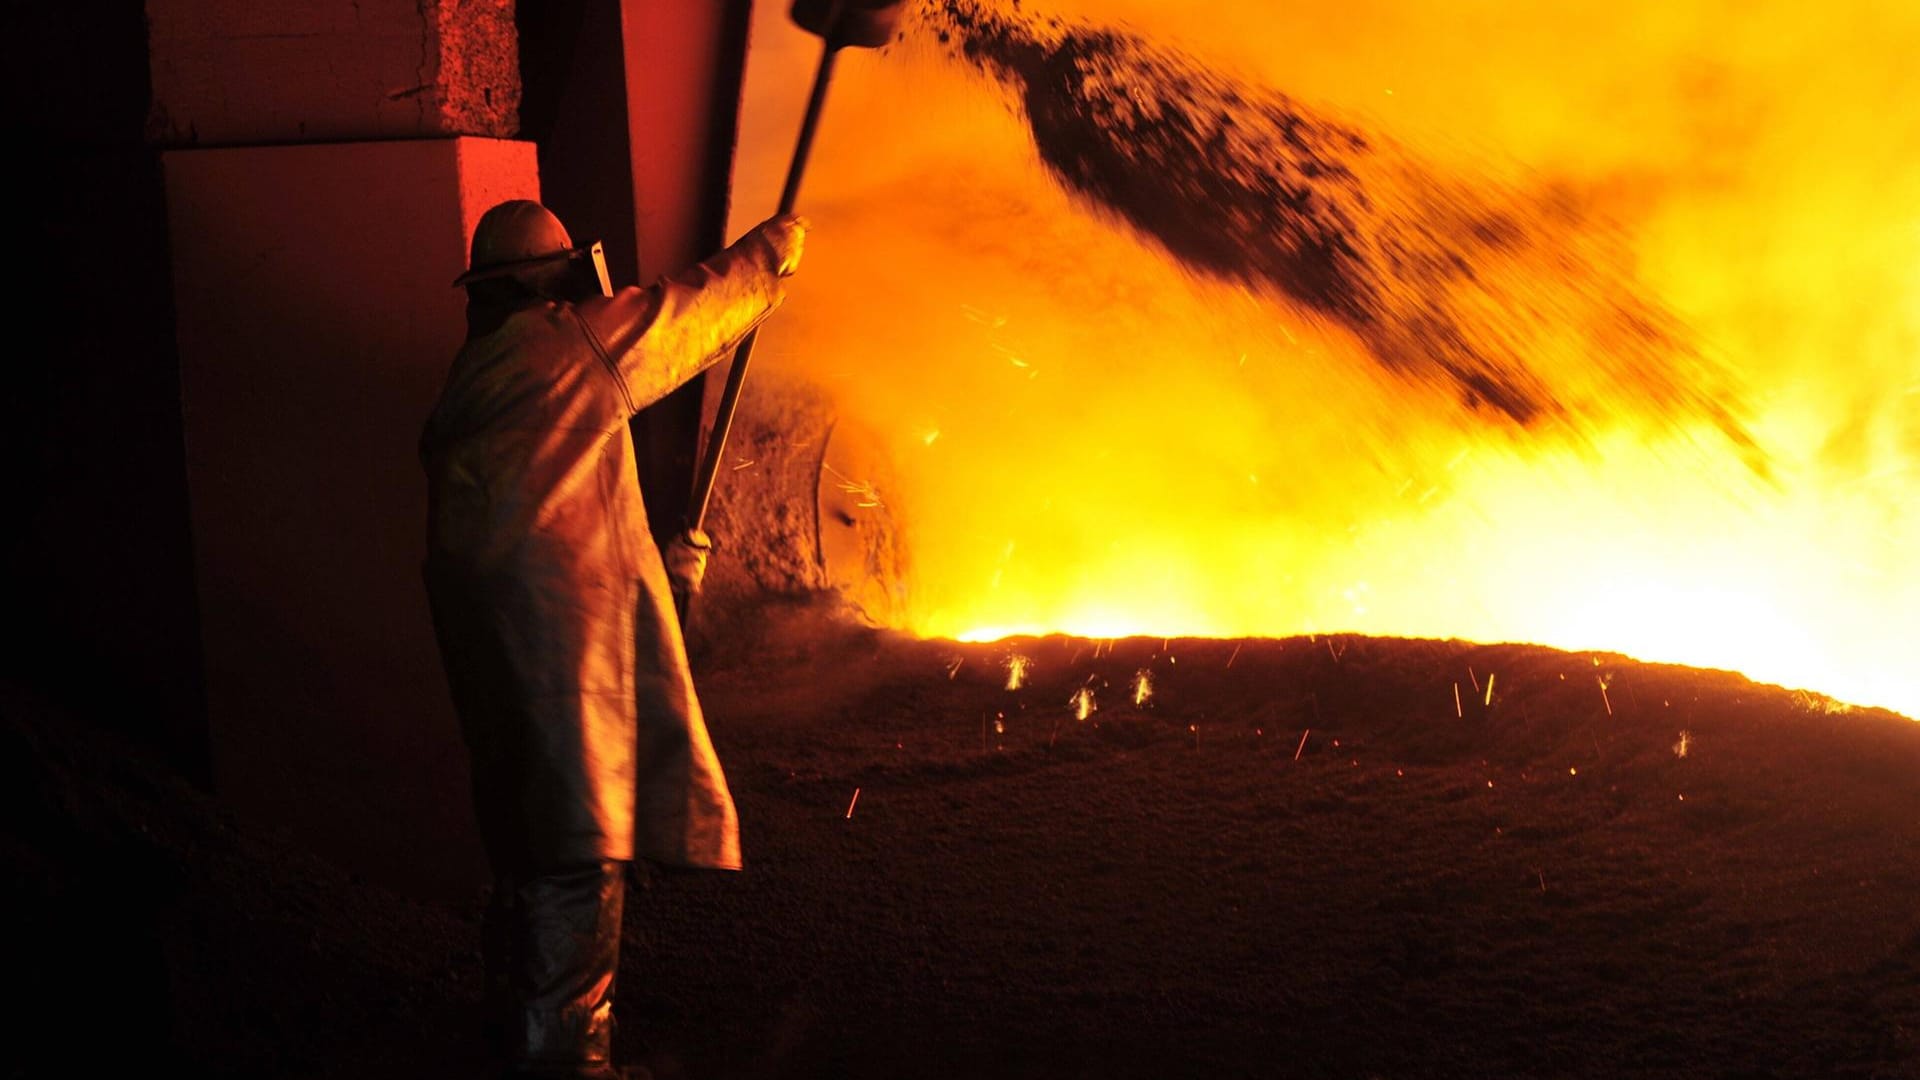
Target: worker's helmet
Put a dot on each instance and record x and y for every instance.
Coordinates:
(515, 236)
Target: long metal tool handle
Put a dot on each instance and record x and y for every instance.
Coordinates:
(737, 375)
(743, 354)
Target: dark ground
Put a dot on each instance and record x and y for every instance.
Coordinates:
(1533, 889)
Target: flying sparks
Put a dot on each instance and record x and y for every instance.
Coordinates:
(1017, 665)
(1082, 702)
(866, 496)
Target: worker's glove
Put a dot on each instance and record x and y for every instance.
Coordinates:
(787, 234)
(686, 559)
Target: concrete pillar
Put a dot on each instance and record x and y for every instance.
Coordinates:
(325, 165)
(316, 320)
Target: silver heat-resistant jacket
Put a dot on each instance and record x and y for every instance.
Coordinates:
(555, 620)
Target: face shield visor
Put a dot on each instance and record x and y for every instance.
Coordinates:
(589, 266)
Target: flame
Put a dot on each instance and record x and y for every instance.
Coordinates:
(1125, 448)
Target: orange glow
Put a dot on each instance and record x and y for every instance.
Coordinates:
(1090, 439)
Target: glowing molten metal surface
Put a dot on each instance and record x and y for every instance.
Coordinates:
(1665, 402)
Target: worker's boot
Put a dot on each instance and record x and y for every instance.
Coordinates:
(564, 944)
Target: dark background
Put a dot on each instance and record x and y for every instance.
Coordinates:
(99, 566)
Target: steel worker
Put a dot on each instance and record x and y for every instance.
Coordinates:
(553, 606)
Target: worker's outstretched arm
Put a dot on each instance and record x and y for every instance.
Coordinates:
(659, 337)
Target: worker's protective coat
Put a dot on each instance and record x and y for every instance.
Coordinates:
(554, 615)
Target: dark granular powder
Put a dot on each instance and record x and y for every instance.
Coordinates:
(1513, 301)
